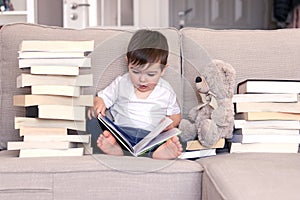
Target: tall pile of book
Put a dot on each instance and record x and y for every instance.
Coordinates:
(267, 116)
(55, 109)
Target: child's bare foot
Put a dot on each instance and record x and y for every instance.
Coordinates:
(169, 150)
(108, 144)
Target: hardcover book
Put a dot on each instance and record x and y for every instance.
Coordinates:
(155, 137)
(269, 86)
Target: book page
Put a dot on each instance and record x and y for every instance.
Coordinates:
(163, 136)
(165, 122)
(116, 131)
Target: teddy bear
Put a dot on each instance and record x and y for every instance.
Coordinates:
(213, 118)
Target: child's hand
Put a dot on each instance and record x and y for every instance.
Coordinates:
(99, 107)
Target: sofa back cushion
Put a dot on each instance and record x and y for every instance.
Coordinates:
(108, 61)
(259, 54)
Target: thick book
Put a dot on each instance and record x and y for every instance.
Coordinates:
(275, 124)
(269, 86)
(56, 112)
(196, 145)
(267, 138)
(54, 70)
(267, 107)
(57, 45)
(25, 80)
(264, 148)
(76, 62)
(60, 90)
(266, 131)
(157, 136)
(52, 54)
(39, 145)
(268, 97)
(35, 99)
(79, 151)
(58, 138)
(41, 131)
(267, 116)
(49, 123)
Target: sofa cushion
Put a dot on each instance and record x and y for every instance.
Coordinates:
(110, 45)
(251, 176)
(265, 54)
(98, 177)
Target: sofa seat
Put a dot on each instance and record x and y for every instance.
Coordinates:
(103, 177)
(249, 176)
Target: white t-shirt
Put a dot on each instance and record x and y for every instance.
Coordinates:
(130, 111)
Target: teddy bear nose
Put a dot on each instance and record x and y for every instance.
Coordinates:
(198, 79)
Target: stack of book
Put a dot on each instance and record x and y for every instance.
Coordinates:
(55, 109)
(267, 115)
(194, 149)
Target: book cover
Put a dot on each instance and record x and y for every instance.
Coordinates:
(196, 145)
(269, 86)
(155, 137)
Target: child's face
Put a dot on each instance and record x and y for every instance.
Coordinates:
(145, 77)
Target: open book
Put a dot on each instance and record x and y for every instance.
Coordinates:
(155, 137)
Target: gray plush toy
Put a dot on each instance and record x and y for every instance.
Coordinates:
(213, 118)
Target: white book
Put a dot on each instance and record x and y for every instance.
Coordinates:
(57, 45)
(35, 99)
(197, 154)
(25, 80)
(266, 131)
(49, 123)
(264, 148)
(54, 70)
(269, 86)
(57, 138)
(290, 97)
(51, 152)
(77, 62)
(61, 90)
(61, 112)
(38, 145)
(39, 131)
(291, 107)
(236, 138)
(276, 124)
(52, 54)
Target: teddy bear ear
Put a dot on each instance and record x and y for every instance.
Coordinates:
(198, 79)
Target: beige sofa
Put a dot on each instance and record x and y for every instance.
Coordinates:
(253, 54)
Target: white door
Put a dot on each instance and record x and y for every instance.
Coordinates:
(76, 13)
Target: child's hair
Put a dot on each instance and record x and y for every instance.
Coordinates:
(147, 46)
